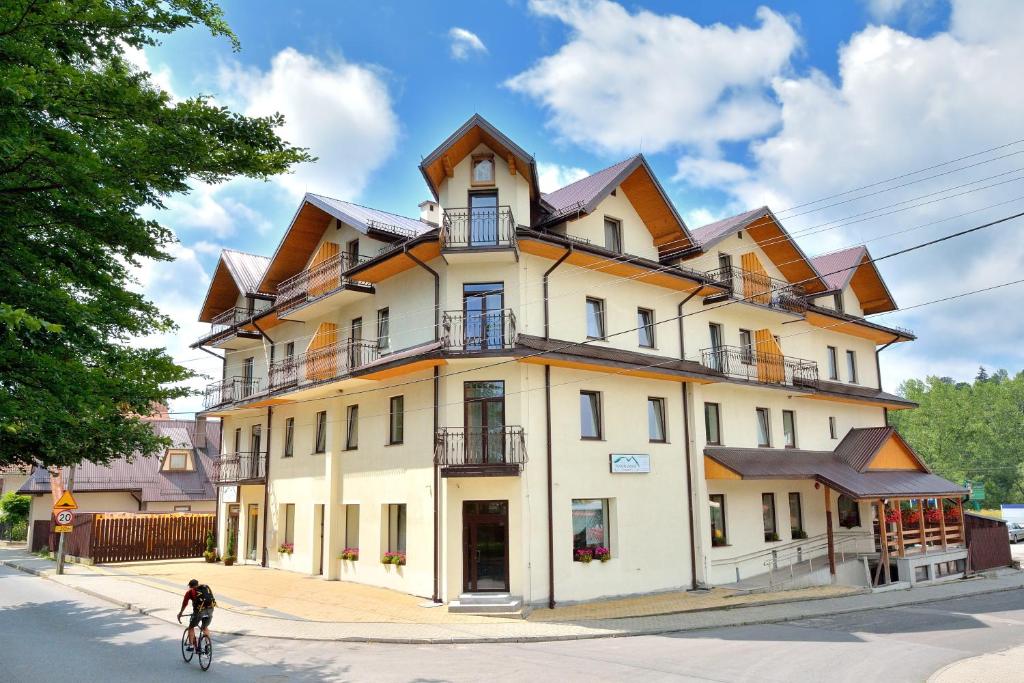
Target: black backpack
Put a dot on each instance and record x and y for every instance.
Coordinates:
(204, 598)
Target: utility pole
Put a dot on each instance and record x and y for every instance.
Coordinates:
(61, 537)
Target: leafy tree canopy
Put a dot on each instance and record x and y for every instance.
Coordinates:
(86, 141)
(14, 507)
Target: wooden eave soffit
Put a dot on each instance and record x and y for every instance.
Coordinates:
(446, 163)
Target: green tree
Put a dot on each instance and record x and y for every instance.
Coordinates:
(14, 507)
(86, 141)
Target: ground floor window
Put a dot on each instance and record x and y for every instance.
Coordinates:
(590, 527)
(718, 535)
(771, 533)
(849, 512)
(796, 516)
(396, 528)
(182, 508)
(352, 526)
(289, 526)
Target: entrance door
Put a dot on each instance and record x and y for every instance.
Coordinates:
(253, 529)
(231, 539)
(320, 515)
(482, 310)
(485, 546)
(483, 219)
(484, 422)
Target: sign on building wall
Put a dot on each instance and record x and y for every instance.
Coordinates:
(230, 494)
(629, 463)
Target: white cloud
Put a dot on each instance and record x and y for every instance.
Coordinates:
(465, 43)
(888, 10)
(341, 111)
(159, 75)
(625, 80)
(701, 172)
(554, 176)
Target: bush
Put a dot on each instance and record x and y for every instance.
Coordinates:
(14, 507)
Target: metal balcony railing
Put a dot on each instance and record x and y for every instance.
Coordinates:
(761, 289)
(480, 446)
(229, 390)
(759, 366)
(328, 362)
(478, 330)
(478, 228)
(318, 281)
(239, 468)
(227, 320)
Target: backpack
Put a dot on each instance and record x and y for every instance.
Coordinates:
(204, 598)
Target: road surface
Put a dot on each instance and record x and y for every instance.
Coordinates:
(53, 633)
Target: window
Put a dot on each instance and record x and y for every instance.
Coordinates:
(483, 169)
(837, 302)
(590, 415)
(177, 459)
(247, 375)
(833, 429)
(289, 523)
(255, 436)
(595, 318)
(351, 526)
(833, 363)
(183, 508)
(849, 512)
(764, 430)
(851, 366)
(718, 533)
(645, 327)
(289, 437)
(789, 428)
(238, 441)
(725, 269)
(771, 533)
(715, 358)
(352, 251)
(746, 346)
(320, 445)
(656, 420)
(352, 428)
(612, 235)
(289, 350)
(396, 528)
(384, 330)
(712, 424)
(396, 424)
(589, 524)
(796, 516)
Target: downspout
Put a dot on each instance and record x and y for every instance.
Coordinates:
(686, 448)
(551, 521)
(546, 334)
(266, 487)
(878, 370)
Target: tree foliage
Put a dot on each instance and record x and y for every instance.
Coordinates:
(969, 431)
(14, 507)
(86, 142)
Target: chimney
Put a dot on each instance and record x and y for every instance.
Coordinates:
(429, 212)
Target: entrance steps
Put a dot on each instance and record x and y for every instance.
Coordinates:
(486, 603)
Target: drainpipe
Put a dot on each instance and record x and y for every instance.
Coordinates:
(546, 273)
(551, 511)
(686, 449)
(266, 488)
(437, 290)
(437, 489)
(878, 370)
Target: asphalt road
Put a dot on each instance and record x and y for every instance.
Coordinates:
(52, 633)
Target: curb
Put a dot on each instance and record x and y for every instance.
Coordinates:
(474, 640)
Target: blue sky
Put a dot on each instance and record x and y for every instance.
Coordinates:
(735, 104)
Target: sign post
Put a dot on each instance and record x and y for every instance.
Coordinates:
(66, 503)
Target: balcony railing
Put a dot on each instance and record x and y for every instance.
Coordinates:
(328, 362)
(229, 390)
(240, 468)
(761, 289)
(318, 281)
(478, 228)
(759, 366)
(480, 447)
(478, 330)
(226, 320)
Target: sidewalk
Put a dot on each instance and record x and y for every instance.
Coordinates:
(147, 595)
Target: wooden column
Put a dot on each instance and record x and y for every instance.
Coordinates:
(963, 522)
(942, 521)
(828, 532)
(901, 546)
(885, 541)
(920, 522)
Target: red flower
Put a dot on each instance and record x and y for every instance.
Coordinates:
(933, 515)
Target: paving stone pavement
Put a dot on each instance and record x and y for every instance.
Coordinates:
(237, 620)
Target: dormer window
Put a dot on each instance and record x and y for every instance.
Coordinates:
(837, 300)
(483, 169)
(177, 459)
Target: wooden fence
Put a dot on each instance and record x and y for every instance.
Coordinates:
(131, 537)
(988, 542)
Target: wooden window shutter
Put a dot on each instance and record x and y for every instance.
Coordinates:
(770, 366)
(757, 285)
(323, 278)
(322, 353)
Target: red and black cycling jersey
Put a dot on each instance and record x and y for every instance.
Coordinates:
(192, 595)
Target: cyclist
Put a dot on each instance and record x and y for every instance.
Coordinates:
(203, 603)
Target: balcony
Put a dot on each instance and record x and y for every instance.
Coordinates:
(470, 231)
(240, 468)
(229, 390)
(230, 319)
(480, 451)
(324, 286)
(758, 288)
(326, 363)
(760, 367)
(478, 330)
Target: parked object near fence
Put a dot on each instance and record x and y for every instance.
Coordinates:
(988, 542)
(131, 537)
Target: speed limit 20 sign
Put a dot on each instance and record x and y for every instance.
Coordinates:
(63, 519)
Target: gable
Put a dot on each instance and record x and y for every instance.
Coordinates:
(714, 470)
(895, 454)
(222, 294)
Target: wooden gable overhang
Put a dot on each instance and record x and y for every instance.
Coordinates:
(869, 287)
(221, 295)
(297, 245)
(828, 319)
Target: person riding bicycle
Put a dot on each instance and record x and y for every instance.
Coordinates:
(203, 603)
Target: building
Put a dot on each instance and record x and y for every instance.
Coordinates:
(12, 477)
(177, 480)
(516, 382)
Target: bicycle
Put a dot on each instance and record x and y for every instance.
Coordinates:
(204, 648)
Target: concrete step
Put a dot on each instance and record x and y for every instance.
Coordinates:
(483, 598)
(486, 603)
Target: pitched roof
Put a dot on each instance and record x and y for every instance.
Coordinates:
(837, 268)
(584, 191)
(706, 235)
(854, 267)
(236, 273)
(842, 389)
(365, 218)
(142, 475)
(246, 269)
(860, 446)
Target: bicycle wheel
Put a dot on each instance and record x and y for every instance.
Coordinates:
(186, 653)
(205, 652)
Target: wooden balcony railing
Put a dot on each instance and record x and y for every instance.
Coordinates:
(240, 468)
(478, 228)
(229, 390)
(761, 289)
(320, 280)
(328, 362)
(480, 447)
(478, 330)
(759, 366)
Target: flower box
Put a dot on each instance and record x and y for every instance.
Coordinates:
(602, 553)
(393, 558)
(892, 515)
(350, 554)
(933, 516)
(286, 548)
(584, 555)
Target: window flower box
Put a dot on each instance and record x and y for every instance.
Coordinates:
(350, 554)
(393, 558)
(602, 553)
(286, 548)
(933, 516)
(584, 555)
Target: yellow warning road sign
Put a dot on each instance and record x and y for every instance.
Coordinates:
(66, 502)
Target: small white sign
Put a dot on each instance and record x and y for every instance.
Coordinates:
(630, 463)
(230, 494)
